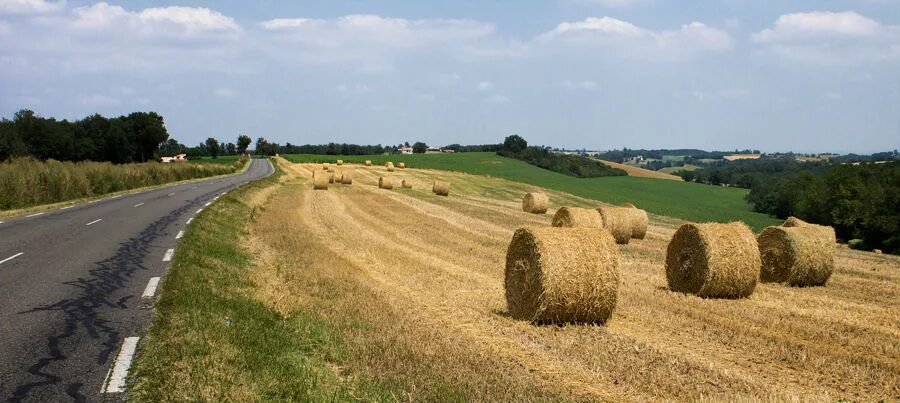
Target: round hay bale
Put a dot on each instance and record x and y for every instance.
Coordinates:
(713, 260)
(562, 275)
(390, 166)
(330, 176)
(324, 166)
(401, 165)
(793, 222)
(407, 184)
(800, 256)
(639, 221)
(617, 220)
(577, 217)
(441, 188)
(347, 178)
(320, 182)
(877, 251)
(368, 163)
(535, 203)
(340, 162)
(385, 183)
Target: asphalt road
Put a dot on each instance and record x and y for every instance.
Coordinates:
(71, 286)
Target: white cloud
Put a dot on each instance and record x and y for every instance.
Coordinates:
(99, 101)
(629, 40)
(485, 86)
(283, 23)
(826, 37)
(178, 21)
(818, 24)
(30, 6)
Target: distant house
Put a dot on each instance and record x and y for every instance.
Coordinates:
(177, 158)
(735, 157)
(406, 150)
(447, 150)
(432, 150)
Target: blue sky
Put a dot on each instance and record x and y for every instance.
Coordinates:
(807, 76)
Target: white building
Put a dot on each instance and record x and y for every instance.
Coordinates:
(406, 150)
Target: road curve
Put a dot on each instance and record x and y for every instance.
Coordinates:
(76, 284)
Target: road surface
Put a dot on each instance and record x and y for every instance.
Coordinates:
(77, 285)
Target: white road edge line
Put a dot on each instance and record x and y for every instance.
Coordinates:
(172, 194)
(150, 291)
(116, 381)
(116, 197)
(179, 235)
(139, 204)
(94, 222)
(12, 257)
(198, 211)
(207, 204)
(34, 215)
(67, 207)
(168, 256)
(189, 221)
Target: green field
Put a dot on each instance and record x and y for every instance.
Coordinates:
(689, 201)
(686, 167)
(673, 158)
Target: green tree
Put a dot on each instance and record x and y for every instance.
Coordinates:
(148, 131)
(420, 147)
(514, 144)
(243, 141)
(213, 147)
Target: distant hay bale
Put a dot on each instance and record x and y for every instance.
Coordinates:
(325, 166)
(330, 169)
(617, 220)
(330, 176)
(577, 217)
(793, 222)
(877, 251)
(561, 275)
(441, 188)
(535, 203)
(801, 256)
(407, 184)
(320, 182)
(639, 221)
(713, 260)
(401, 165)
(385, 183)
(390, 166)
(368, 163)
(347, 178)
(340, 162)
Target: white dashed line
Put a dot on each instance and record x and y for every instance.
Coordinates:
(150, 291)
(34, 215)
(207, 204)
(198, 211)
(171, 194)
(12, 257)
(179, 235)
(94, 222)
(116, 381)
(189, 221)
(139, 205)
(67, 207)
(116, 197)
(168, 256)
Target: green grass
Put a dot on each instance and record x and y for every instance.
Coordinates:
(689, 201)
(673, 158)
(686, 167)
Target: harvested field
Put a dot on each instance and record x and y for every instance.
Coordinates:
(643, 173)
(426, 274)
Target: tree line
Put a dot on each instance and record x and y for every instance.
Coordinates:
(568, 164)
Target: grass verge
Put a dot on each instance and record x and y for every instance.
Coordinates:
(689, 201)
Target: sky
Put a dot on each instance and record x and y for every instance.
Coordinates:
(802, 75)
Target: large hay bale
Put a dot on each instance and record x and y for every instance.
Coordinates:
(340, 162)
(793, 222)
(385, 183)
(713, 260)
(407, 184)
(577, 217)
(800, 256)
(347, 178)
(639, 221)
(617, 220)
(401, 165)
(562, 275)
(320, 182)
(535, 203)
(441, 188)
(368, 163)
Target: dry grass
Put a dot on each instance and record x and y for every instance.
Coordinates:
(424, 276)
(643, 173)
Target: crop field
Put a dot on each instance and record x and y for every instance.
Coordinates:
(361, 293)
(689, 201)
(643, 172)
